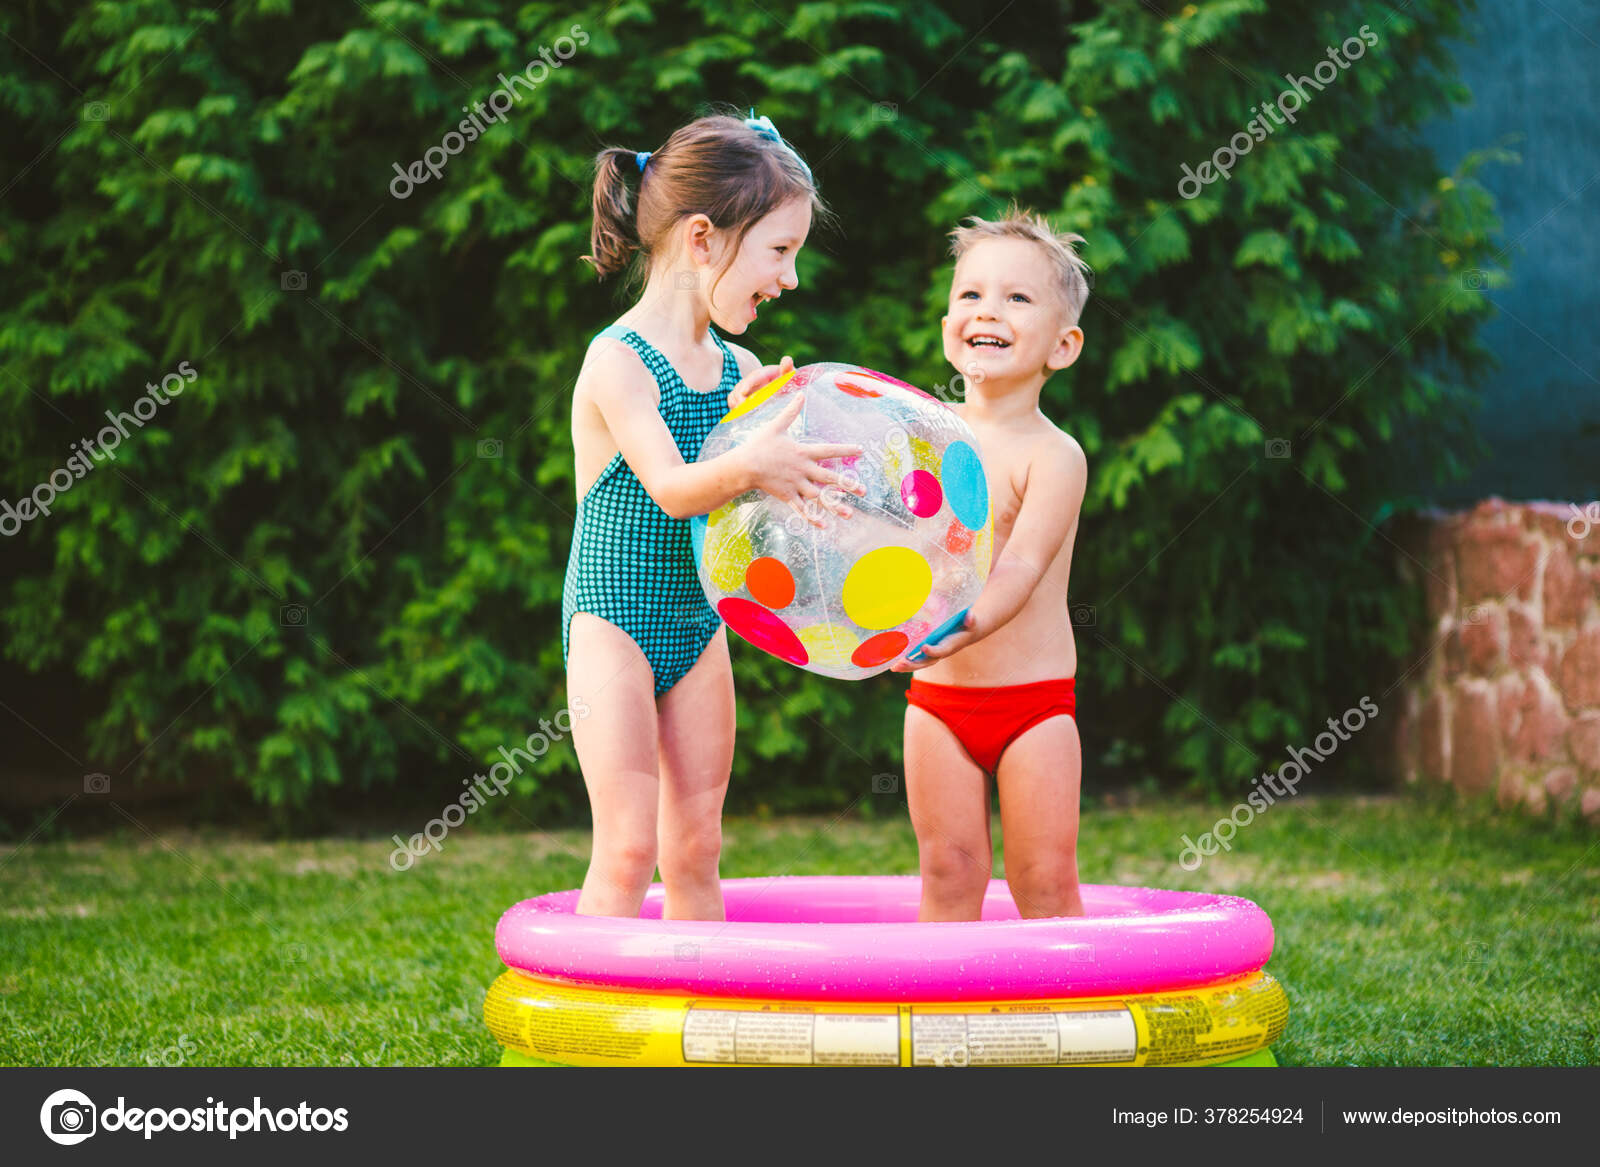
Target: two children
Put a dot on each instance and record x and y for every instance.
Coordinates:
(716, 217)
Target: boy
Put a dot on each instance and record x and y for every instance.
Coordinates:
(997, 697)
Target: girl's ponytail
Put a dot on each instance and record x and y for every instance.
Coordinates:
(613, 238)
(732, 170)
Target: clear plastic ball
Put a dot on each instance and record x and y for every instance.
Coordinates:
(849, 598)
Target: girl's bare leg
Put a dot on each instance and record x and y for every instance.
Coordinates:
(616, 745)
(696, 718)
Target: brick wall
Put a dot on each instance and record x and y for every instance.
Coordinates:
(1503, 697)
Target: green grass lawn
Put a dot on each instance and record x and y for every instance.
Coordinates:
(1407, 933)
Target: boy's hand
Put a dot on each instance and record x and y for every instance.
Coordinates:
(929, 654)
(765, 375)
(792, 471)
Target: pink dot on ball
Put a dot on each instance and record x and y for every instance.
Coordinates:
(920, 491)
(762, 629)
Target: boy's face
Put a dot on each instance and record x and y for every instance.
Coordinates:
(1007, 320)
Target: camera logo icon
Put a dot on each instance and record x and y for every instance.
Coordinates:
(68, 1117)
(1584, 521)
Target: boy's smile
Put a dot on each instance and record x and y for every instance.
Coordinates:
(1006, 317)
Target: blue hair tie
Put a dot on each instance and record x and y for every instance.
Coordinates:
(763, 126)
(642, 157)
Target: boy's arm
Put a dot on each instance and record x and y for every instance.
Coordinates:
(1057, 478)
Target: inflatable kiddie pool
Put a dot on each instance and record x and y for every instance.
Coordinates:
(834, 970)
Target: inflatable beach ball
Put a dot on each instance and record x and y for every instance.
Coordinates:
(851, 597)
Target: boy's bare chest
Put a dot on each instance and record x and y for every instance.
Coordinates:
(1007, 502)
(1006, 471)
(1005, 465)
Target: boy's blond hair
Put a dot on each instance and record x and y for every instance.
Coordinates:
(1071, 272)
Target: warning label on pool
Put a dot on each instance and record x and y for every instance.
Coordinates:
(752, 1037)
(1023, 1036)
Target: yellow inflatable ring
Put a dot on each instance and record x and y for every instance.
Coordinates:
(539, 1021)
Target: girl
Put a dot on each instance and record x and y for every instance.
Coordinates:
(718, 216)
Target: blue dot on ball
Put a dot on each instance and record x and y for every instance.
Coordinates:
(965, 488)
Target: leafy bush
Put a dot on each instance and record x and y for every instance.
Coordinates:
(336, 558)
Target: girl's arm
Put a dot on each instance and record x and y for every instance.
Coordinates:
(791, 471)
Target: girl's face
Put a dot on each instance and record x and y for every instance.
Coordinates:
(764, 268)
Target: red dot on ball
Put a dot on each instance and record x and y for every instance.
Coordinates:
(883, 647)
(769, 582)
(762, 629)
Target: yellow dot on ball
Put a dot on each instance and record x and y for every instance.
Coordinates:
(983, 547)
(828, 644)
(728, 552)
(902, 454)
(924, 456)
(757, 398)
(886, 587)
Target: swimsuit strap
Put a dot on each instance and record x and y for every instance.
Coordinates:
(668, 380)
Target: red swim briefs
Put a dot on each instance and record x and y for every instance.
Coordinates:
(987, 720)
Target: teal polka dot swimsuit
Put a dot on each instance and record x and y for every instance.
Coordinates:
(631, 563)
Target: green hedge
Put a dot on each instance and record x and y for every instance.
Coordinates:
(309, 570)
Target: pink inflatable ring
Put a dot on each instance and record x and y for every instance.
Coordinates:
(856, 938)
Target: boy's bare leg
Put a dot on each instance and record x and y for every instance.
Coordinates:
(616, 746)
(697, 727)
(1039, 777)
(949, 799)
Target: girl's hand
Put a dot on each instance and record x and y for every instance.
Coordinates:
(765, 375)
(792, 471)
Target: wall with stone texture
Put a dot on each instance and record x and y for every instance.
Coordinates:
(1503, 696)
